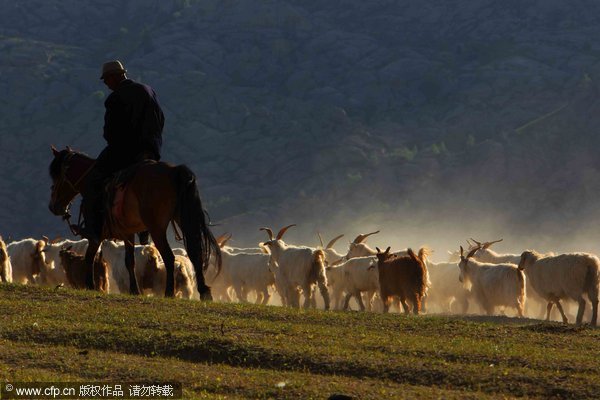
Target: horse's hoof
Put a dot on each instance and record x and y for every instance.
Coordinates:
(206, 296)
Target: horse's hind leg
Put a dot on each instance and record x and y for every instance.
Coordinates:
(161, 243)
(130, 265)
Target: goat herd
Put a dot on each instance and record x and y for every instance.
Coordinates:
(478, 280)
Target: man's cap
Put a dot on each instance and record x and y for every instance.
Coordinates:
(112, 67)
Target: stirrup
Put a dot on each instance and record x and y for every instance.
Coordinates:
(76, 229)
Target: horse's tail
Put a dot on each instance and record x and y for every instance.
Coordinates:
(199, 242)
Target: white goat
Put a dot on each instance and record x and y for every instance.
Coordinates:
(178, 251)
(154, 275)
(245, 272)
(566, 276)
(493, 284)
(5, 264)
(485, 254)
(114, 254)
(28, 260)
(358, 248)
(353, 278)
(332, 257)
(297, 268)
(226, 237)
(446, 290)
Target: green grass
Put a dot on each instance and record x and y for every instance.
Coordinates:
(244, 351)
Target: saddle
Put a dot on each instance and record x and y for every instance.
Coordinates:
(114, 195)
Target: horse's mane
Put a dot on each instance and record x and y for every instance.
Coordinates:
(56, 164)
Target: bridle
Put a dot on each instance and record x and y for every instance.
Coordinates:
(62, 180)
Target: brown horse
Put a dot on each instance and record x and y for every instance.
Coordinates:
(156, 194)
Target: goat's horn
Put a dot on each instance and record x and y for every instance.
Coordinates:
(476, 242)
(320, 239)
(219, 238)
(361, 238)
(225, 240)
(488, 244)
(283, 230)
(269, 232)
(332, 241)
(472, 252)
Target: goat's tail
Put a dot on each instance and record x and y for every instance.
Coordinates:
(199, 242)
(317, 273)
(422, 278)
(522, 285)
(592, 279)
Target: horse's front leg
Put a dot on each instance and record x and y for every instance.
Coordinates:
(130, 264)
(90, 255)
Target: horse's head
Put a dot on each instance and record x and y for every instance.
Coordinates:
(63, 189)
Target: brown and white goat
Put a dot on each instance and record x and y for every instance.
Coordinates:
(28, 260)
(75, 270)
(402, 276)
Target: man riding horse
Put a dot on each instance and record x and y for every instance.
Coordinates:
(133, 125)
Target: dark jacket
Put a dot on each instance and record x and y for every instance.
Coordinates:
(133, 122)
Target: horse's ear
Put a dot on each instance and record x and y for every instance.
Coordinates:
(54, 151)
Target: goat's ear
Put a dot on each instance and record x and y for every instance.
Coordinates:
(69, 149)
(45, 239)
(461, 252)
(70, 247)
(377, 248)
(387, 250)
(54, 151)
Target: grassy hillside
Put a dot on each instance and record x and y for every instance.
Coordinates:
(244, 351)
